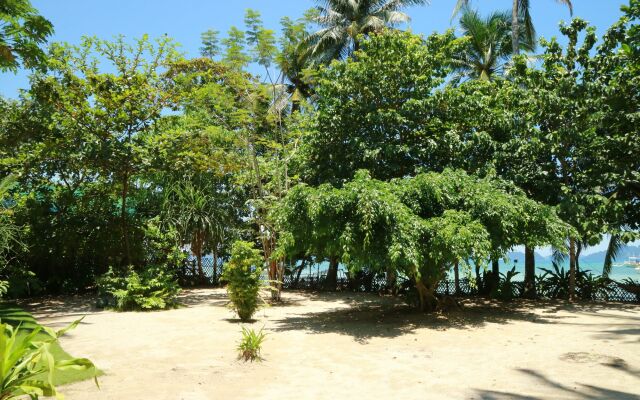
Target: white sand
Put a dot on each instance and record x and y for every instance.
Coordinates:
(356, 346)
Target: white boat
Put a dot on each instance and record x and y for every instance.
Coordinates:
(633, 262)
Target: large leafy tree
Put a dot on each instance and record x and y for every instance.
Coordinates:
(22, 33)
(417, 226)
(343, 23)
(377, 112)
(521, 11)
(100, 98)
(619, 75)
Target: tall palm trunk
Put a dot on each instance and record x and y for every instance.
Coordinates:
(198, 245)
(572, 269)
(515, 27)
(529, 273)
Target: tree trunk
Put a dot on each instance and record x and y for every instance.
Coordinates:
(391, 278)
(215, 265)
(302, 265)
(572, 269)
(456, 277)
(478, 279)
(515, 27)
(529, 273)
(495, 275)
(426, 295)
(123, 220)
(331, 280)
(198, 244)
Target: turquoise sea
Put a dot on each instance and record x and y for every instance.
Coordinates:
(617, 273)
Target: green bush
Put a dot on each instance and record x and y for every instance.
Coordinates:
(154, 288)
(250, 345)
(242, 273)
(506, 290)
(21, 283)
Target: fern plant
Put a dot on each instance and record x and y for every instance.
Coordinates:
(250, 345)
(27, 366)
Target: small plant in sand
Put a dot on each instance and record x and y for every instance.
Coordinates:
(242, 273)
(251, 344)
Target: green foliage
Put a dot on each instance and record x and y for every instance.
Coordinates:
(9, 231)
(555, 284)
(506, 290)
(343, 24)
(250, 345)
(263, 40)
(235, 53)
(27, 364)
(389, 85)
(4, 288)
(418, 226)
(22, 33)
(21, 282)
(242, 274)
(210, 44)
(488, 47)
(154, 288)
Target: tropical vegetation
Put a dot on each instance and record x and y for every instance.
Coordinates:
(342, 139)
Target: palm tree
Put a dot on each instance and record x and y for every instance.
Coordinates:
(520, 12)
(343, 21)
(489, 45)
(194, 211)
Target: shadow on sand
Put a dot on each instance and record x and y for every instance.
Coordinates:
(369, 316)
(580, 391)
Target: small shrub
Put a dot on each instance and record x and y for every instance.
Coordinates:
(250, 345)
(22, 283)
(555, 282)
(506, 290)
(591, 287)
(154, 288)
(4, 287)
(242, 273)
(27, 365)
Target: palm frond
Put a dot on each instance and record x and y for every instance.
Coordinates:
(613, 250)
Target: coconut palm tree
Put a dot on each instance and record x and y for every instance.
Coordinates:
(343, 21)
(489, 44)
(520, 12)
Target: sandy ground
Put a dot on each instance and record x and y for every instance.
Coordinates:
(356, 346)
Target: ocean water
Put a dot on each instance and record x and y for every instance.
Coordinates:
(617, 273)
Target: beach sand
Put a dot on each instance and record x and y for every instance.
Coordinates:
(355, 346)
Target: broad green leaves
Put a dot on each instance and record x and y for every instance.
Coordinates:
(418, 226)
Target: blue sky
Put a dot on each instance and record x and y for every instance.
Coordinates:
(186, 19)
